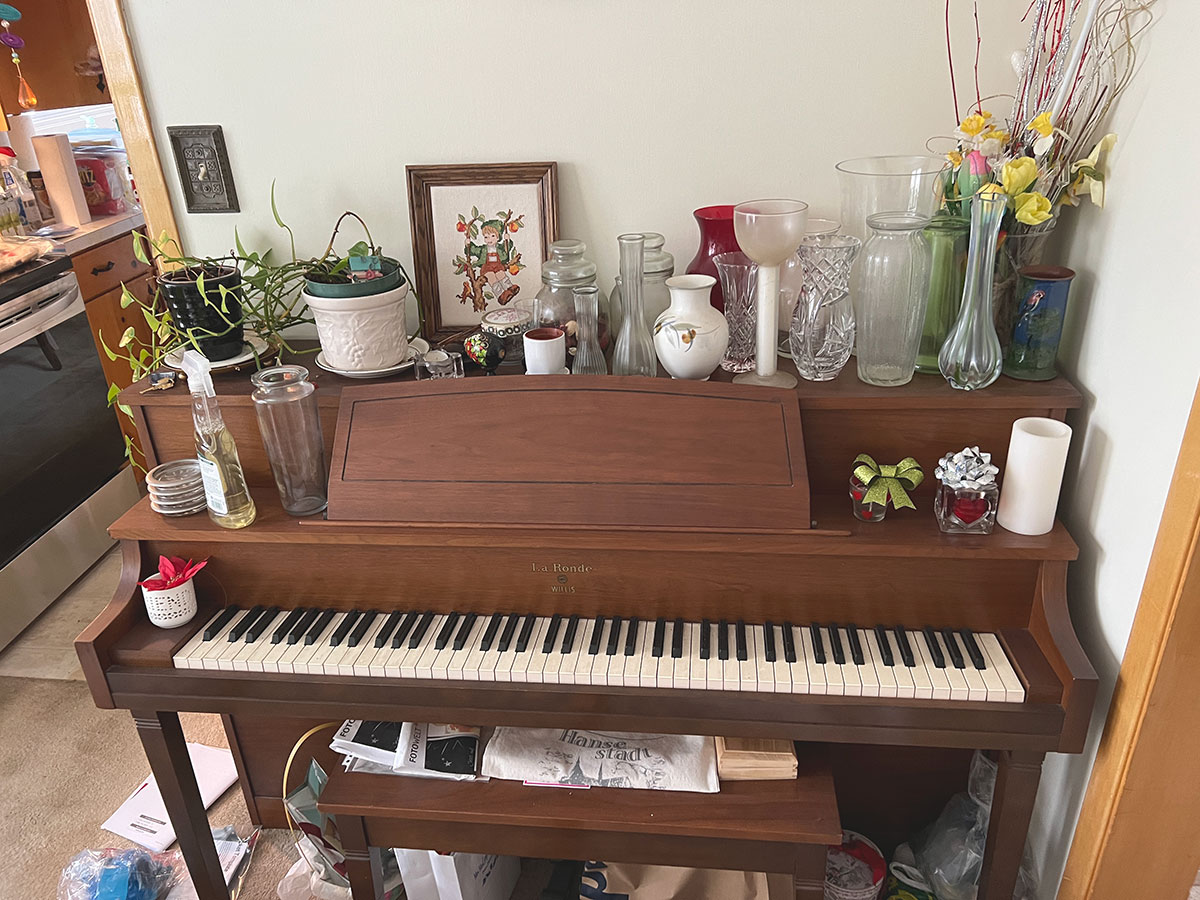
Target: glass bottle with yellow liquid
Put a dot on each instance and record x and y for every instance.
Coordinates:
(229, 503)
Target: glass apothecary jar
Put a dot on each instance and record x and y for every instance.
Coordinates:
(563, 273)
(657, 266)
(290, 425)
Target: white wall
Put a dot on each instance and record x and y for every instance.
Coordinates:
(654, 108)
(1129, 345)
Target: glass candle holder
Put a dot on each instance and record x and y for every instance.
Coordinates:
(439, 363)
(962, 510)
(864, 511)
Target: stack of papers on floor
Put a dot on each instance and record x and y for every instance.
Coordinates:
(755, 759)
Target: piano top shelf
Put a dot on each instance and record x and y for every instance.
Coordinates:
(905, 533)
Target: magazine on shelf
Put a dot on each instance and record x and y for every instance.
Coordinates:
(372, 741)
(437, 751)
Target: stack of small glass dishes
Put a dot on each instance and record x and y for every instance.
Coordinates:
(176, 488)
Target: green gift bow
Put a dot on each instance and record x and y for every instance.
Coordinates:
(882, 481)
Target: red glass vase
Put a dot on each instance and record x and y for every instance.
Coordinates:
(716, 236)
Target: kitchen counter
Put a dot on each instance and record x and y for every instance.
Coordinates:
(100, 230)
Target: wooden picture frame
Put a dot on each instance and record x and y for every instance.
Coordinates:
(456, 286)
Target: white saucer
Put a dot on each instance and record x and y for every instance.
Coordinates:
(416, 347)
(251, 347)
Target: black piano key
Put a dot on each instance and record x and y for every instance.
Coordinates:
(631, 636)
(220, 622)
(614, 636)
(935, 651)
(389, 625)
(318, 626)
(510, 628)
(956, 656)
(289, 622)
(526, 632)
(493, 627)
(446, 632)
(677, 640)
(569, 635)
(464, 630)
(705, 639)
(401, 635)
(418, 633)
(339, 633)
(551, 633)
(885, 646)
(301, 628)
(835, 644)
(265, 621)
(789, 643)
(361, 629)
(856, 650)
(740, 632)
(906, 650)
(597, 636)
(239, 627)
(818, 644)
(660, 632)
(968, 639)
(769, 641)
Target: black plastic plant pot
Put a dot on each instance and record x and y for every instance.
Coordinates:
(208, 313)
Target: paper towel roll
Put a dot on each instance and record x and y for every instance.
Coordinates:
(20, 135)
(1037, 457)
(58, 169)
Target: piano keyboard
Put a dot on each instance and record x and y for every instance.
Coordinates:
(932, 664)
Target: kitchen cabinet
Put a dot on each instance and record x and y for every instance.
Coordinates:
(58, 38)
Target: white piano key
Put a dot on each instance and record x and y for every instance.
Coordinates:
(993, 685)
(731, 667)
(868, 674)
(747, 669)
(592, 669)
(180, 659)
(263, 646)
(458, 658)
(714, 669)
(221, 657)
(614, 671)
(976, 689)
(884, 676)
(818, 683)
(286, 663)
(552, 670)
(666, 663)
(799, 669)
(536, 670)
(937, 675)
(756, 646)
(365, 663)
(648, 672)
(632, 672)
(834, 682)
(575, 666)
(323, 649)
(349, 659)
(1014, 691)
(781, 671)
(698, 669)
(474, 648)
(681, 667)
(423, 667)
(922, 682)
(905, 686)
(958, 682)
(270, 662)
(520, 666)
(852, 685)
(241, 661)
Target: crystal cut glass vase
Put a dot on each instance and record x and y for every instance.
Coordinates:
(822, 327)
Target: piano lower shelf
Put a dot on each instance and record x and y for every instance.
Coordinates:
(759, 826)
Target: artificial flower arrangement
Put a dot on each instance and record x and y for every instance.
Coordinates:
(172, 572)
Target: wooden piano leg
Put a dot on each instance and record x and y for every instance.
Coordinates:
(1012, 806)
(166, 750)
(358, 856)
(808, 877)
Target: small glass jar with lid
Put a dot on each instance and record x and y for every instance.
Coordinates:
(563, 273)
(658, 265)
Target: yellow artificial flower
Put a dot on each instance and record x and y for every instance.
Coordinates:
(1041, 124)
(1088, 176)
(974, 125)
(996, 135)
(1018, 174)
(955, 158)
(1032, 208)
(990, 190)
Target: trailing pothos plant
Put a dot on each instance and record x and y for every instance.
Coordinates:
(270, 299)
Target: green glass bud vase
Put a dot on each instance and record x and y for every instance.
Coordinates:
(948, 238)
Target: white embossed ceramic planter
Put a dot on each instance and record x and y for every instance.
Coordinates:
(362, 333)
(690, 337)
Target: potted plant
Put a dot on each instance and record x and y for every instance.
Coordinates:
(171, 595)
(205, 302)
(364, 270)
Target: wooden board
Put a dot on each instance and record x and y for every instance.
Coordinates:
(585, 452)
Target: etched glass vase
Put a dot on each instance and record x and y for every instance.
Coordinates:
(634, 353)
(971, 358)
(821, 335)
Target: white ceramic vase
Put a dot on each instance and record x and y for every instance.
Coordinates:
(173, 607)
(690, 337)
(360, 334)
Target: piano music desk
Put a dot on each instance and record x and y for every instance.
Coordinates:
(897, 761)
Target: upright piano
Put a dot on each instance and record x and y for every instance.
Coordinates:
(624, 554)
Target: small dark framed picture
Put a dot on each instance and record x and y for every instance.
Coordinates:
(203, 164)
(480, 236)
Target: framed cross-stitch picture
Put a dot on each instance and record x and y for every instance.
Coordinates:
(480, 235)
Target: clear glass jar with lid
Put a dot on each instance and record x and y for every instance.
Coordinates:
(563, 273)
(658, 265)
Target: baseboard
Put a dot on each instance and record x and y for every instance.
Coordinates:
(52, 563)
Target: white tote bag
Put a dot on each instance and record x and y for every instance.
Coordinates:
(457, 876)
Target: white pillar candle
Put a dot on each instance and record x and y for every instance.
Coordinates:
(1037, 457)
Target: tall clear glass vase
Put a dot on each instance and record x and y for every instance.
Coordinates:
(948, 237)
(971, 358)
(822, 327)
(634, 353)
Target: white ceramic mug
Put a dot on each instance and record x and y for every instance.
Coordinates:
(545, 351)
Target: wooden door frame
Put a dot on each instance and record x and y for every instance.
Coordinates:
(125, 86)
(1132, 836)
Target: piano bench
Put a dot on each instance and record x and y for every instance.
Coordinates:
(760, 826)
